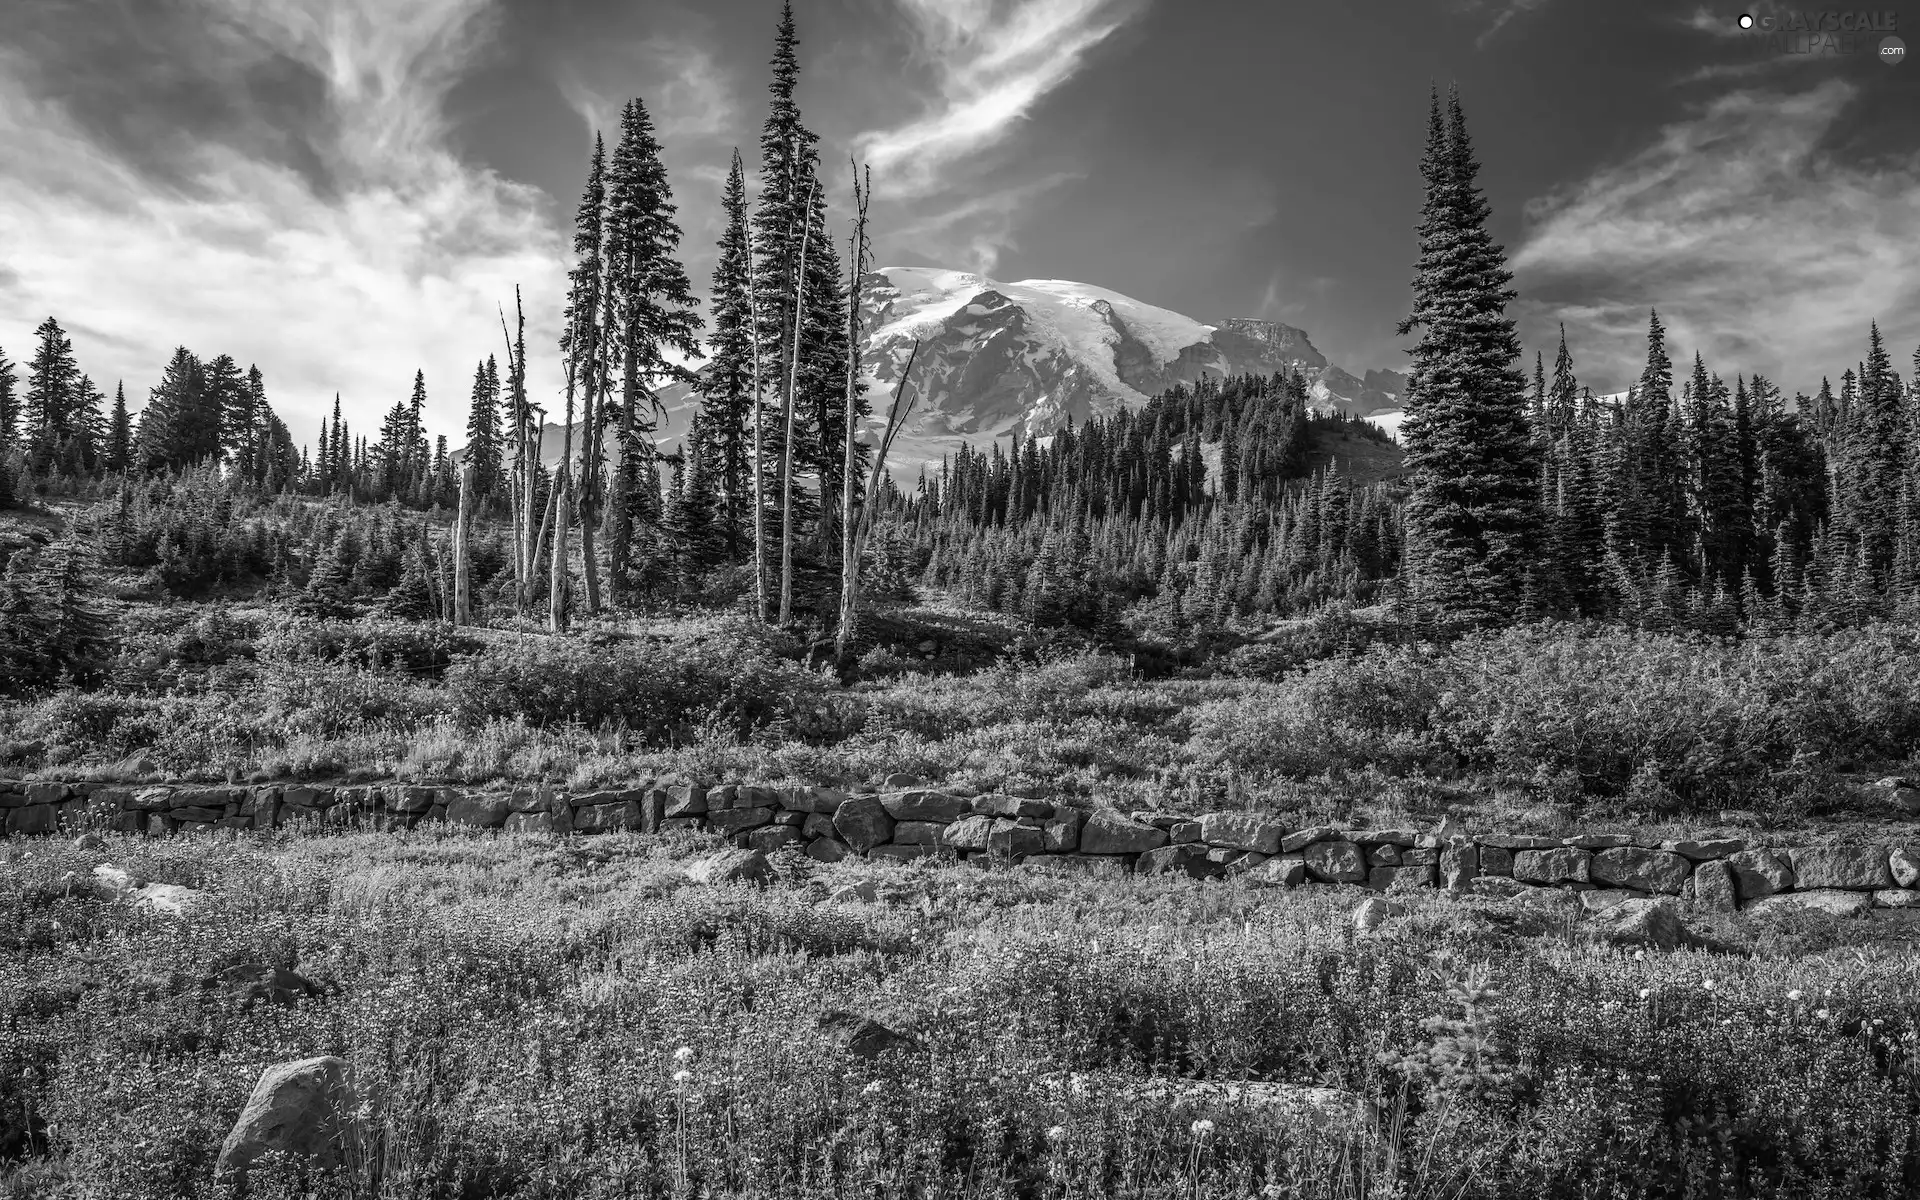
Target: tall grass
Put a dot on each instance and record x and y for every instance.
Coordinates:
(512, 1009)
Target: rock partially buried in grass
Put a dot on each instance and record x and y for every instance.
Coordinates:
(1653, 923)
(305, 1109)
(1827, 900)
(864, 892)
(732, 866)
(1373, 912)
(252, 983)
(167, 899)
(858, 1036)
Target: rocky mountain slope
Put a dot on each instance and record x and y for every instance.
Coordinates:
(998, 359)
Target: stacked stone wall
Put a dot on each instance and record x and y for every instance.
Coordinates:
(1027, 827)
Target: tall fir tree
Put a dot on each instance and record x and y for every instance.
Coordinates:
(53, 396)
(728, 386)
(654, 319)
(163, 437)
(1473, 513)
(9, 404)
(225, 421)
(483, 450)
(119, 452)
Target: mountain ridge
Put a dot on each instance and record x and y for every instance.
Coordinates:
(1000, 359)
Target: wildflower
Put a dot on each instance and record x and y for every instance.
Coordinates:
(1056, 1133)
(1639, 956)
(1822, 1014)
(682, 1076)
(1794, 994)
(872, 1088)
(1707, 984)
(1202, 1128)
(683, 1055)
(1645, 992)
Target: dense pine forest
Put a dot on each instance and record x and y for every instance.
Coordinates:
(1200, 519)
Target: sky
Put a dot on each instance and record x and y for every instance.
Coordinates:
(345, 191)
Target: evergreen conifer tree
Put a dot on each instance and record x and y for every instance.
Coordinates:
(728, 386)
(9, 405)
(653, 314)
(1473, 513)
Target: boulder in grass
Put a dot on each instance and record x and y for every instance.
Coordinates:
(1641, 922)
(306, 1109)
(732, 866)
(1896, 898)
(1373, 912)
(258, 983)
(166, 899)
(855, 1036)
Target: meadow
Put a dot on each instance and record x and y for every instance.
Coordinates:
(515, 1010)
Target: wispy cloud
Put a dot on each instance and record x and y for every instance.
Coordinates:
(1759, 248)
(992, 62)
(974, 234)
(384, 253)
(1505, 11)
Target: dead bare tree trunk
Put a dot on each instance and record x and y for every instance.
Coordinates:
(527, 459)
(589, 494)
(563, 491)
(896, 416)
(462, 535)
(857, 267)
(759, 449)
(793, 383)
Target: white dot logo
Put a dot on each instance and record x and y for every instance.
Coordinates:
(1746, 20)
(1892, 51)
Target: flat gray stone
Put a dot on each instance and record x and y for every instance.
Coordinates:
(1851, 868)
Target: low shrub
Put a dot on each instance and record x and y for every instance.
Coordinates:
(663, 690)
(423, 649)
(1671, 723)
